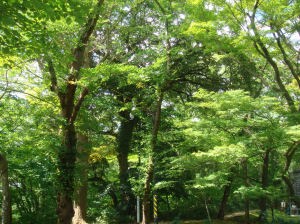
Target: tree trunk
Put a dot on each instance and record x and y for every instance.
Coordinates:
(264, 184)
(80, 202)
(6, 197)
(147, 193)
(225, 197)
(247, 202)
(66, 165)
(289, 155)
(126, 205)
(69, 111)
(150, 169)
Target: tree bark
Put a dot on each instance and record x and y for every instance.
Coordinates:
(6, 197)
(225, 197)
(80, 202)
(247, 202)
(66, 165)
(126, 205)
(150, 169)
(262, 50)
(156, 124)
(264, 184)
(147, 193)
(69, 111)
(289, 155)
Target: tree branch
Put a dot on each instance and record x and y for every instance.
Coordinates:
(160, 7)
(266, 54)
(68, 109)
(54, 85)
(6, 86)
(78, 104)
(289, 155)
(285, 58)
(84, 38)
(53, 76)
(31, 95)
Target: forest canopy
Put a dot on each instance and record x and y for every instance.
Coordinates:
(140, 111)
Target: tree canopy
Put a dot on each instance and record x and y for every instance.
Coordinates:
(192, 104)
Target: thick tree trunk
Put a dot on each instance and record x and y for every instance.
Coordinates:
(66, 165)
(150, 170)
(264, 183)
(126, 205)
(69, 110)
(6, 197)
(80, 202)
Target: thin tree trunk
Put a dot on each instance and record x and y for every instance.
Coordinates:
(80, 202)
(147, 193)
(156, 124)
(247, 202)
(225, 197)
(289, 155)
(150, 169)
(207, 211)
(264, 184)
(6, 197)
(126, 206)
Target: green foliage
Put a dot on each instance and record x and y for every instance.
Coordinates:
(222, 104)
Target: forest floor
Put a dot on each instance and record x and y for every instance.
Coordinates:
(238, 217)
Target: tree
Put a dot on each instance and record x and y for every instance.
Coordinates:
(6, 202)
(247, 129)
(69, 111)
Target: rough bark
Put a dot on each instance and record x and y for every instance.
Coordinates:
(80, 202)
(66, 165)
(126, 205)
(150, 169)
(6, 197)
(69, 111)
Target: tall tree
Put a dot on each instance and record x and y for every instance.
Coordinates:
(69, 111)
